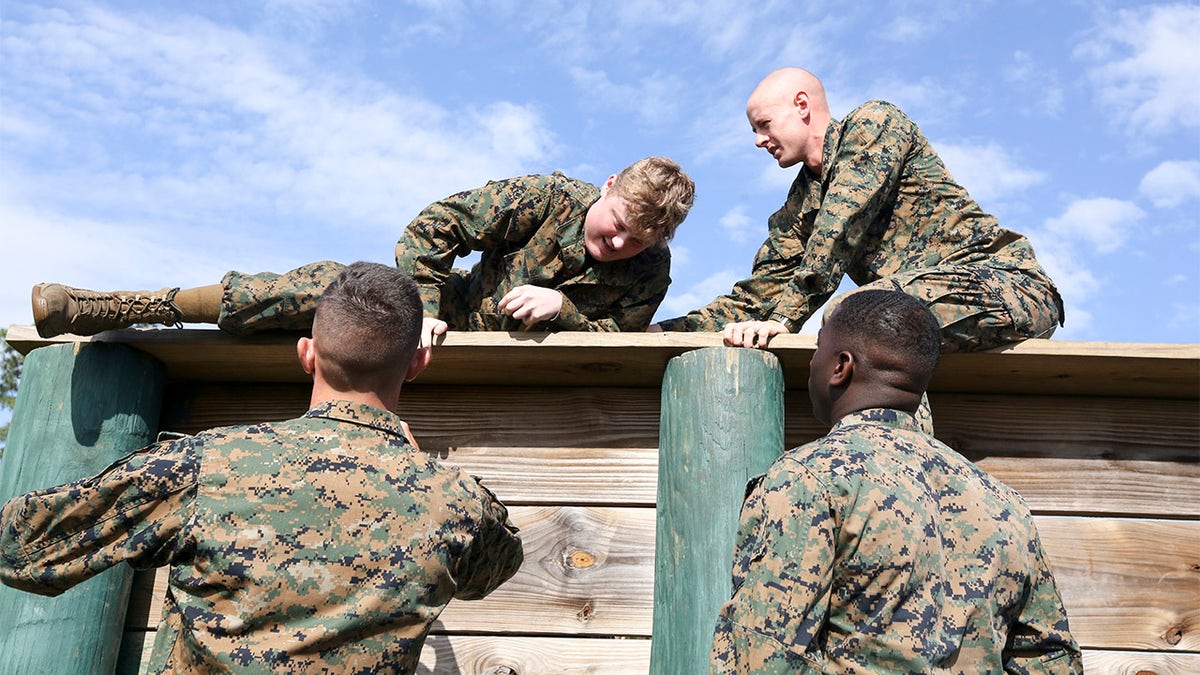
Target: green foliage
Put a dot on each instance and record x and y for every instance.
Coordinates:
(10, 375)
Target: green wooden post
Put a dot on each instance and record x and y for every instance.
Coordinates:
(722, 423)
(78, 409)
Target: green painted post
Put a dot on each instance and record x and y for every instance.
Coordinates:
(722, 423)
(79, 408)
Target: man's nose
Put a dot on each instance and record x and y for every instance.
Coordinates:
(760, 140)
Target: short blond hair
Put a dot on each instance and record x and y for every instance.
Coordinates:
(657, 195)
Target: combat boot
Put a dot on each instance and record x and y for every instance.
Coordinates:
(61, 309)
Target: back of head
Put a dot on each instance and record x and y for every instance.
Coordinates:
(892, 333)
(367, 326)
(658, 196)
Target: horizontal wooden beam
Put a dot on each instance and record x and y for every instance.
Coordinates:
(639, 359)
(479, 654)
(599, 445)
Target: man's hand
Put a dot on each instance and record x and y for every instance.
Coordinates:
(531, 304)
(754, 334)
(431, 328)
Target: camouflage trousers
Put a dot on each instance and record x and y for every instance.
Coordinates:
(267, 301)
(979, 307)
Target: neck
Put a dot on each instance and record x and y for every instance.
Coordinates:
(323, 394)
(895, 400)
(815, 161)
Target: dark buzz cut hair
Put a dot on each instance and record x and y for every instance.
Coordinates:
(894, 322)
(367, 325)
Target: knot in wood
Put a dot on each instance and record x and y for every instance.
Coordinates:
(578, 559)
(1146, 672)
(505, 670)
(1173, 635)
(586, 612)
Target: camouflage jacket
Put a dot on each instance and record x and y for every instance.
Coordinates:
(884, 204)
(325, 543)
(529, 230)
(879, 549)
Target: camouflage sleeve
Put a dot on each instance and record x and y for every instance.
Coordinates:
(133, 511)
(1040, 639)
(774, 265)
(782, 573)
(482, 219)
(495, 553)
(861, 185)
(632, 310)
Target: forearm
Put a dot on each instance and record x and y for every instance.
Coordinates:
(53, 539)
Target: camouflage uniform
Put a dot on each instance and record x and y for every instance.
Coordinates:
(879, 549)
(886, 212)
(325, 543)
(530, 231)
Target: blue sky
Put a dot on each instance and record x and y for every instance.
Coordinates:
(153, 144)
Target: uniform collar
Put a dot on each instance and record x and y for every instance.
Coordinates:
(570, 234)
(359, 413)
(880, 416)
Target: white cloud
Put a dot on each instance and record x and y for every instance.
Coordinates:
(987, 171)
(239, 126)
(1172, 183)
(653, 98)
(1148, 64)
(1043, 94)
(738, 225)
(1102, 223)
(678, 303)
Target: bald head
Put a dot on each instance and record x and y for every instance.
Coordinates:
(785, 83)
(789, 114)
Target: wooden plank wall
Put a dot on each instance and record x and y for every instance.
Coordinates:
(1112, 481)
(1111, 472)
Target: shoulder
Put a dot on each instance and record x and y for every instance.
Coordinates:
(875, 110)
(579, 190)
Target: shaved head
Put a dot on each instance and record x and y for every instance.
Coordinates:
(789, 114)
(783, 84)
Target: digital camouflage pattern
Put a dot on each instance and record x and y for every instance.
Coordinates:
(269, 301)
(320, 544)
(886, 212)
(529, 230)
(877, 549)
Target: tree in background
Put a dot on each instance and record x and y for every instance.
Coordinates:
(10, 375)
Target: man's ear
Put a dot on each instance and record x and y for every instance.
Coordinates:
(801, 103)
(307, 354)
(843, 370)
(612, 179)
(419, 360)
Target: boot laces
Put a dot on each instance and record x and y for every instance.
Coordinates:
(129, 308)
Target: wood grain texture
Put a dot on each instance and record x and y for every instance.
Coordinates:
(1125, 456)
(639, 359)
(491, 654)
(1129, 584)
(497, 655)
(1096, 662)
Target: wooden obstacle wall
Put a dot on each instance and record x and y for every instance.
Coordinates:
(1102, 440)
